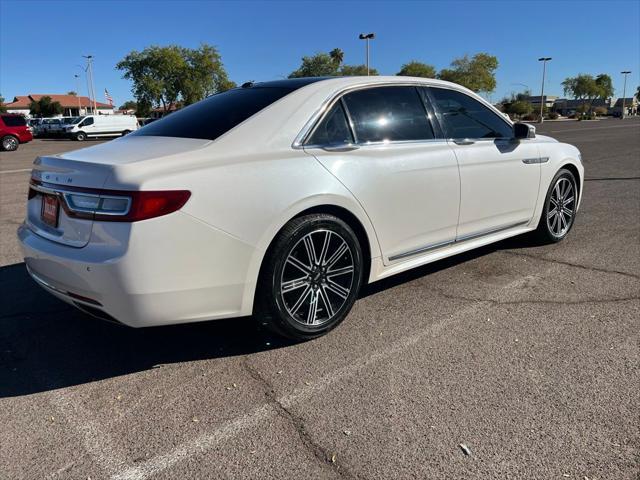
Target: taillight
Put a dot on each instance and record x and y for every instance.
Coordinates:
(114, 205)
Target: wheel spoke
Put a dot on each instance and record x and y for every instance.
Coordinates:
(325, 300)
(339, 271)
(298, 264)
(568, 200)
(313, 308)
(311, 251)
(325, 247)
(337, 254)
(301, 299)
(337, 289)
(294, 284)
(553, 201)
(554, 223)
(563, 222)
(552, 213)
(567, 212)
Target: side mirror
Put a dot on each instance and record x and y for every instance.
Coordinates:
(524, 130)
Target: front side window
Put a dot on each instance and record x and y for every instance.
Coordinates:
(387, 114)
(87, 121)
(333, 129)
(464, 117)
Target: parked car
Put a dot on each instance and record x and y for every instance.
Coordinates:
(282, 199)
(101, 126)
(48, 126)
(13, 131)
(58, 128)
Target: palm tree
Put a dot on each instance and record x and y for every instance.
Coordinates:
(337, 55)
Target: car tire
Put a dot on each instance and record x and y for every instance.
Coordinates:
(560, 208)
(310, 277)
(126, 132)
(9, 143)
(80, 136)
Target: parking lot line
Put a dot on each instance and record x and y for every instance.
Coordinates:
(633, 125)
(233, 427)
(16, 171)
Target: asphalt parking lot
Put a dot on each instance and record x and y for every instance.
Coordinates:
(528, 355)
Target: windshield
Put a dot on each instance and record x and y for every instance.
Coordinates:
(216, 115)
(76, 120)
(69, 120)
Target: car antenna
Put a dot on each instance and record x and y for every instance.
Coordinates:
(248, 84)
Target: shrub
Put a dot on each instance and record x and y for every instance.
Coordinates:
(553, 116)
(530, 117)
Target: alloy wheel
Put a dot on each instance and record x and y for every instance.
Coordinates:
(562, 207)
(317, 277)
(10, 143)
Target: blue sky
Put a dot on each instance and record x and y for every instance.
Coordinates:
(41, 43)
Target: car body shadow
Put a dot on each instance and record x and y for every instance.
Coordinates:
(46, 344)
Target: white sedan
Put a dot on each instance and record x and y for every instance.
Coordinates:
(282, 199)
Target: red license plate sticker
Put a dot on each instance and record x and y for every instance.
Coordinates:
(49, 212)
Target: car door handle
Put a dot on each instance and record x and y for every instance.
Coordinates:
(464, 141)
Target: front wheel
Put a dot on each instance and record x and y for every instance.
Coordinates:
(560, 207)
(126, 132)
(80, 136)
(311, 277)
(9, 143)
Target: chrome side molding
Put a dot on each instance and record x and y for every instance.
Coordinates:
(530, 161)
(471, 236)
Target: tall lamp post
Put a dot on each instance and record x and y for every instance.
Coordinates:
(624, 92)
(90, 71)
(544, 61)
(78, 90)
(367, 37)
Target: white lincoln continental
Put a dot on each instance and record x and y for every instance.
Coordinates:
(282, 199)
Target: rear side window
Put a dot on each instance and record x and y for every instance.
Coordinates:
(216, 115)
(388, 114)
(465, 117)
(333, 130)
(14, 120)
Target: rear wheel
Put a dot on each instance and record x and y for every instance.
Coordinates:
(80, 136)
(310, 278)
(9, 143)
(560, 208)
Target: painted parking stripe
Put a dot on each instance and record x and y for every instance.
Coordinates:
(15, 171)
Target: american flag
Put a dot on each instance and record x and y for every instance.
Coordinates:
(108, 97)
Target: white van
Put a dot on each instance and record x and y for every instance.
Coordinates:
(101, 126)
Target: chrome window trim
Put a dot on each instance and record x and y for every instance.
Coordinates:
(316, 118)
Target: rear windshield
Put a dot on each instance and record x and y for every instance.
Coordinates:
(14, 120)
(216, 115)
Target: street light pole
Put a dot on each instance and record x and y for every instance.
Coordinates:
(78, 90)
(624, 92)
(90, 70)
(544, 61)
(367, 37)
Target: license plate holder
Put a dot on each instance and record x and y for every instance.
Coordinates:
(50, 210)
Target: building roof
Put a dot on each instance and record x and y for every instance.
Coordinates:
(22, 102)
(628, 102)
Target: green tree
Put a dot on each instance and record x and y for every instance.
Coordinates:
(3, 109)
(337, 55)
(318, 65)
(356, 70)
(638, 92)
(75, 94)
(45, 108)
(417, 69)
(586, 88)
(129, 105)
(477, 73)
(164, 75)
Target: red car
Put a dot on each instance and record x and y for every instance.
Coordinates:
(13, 131)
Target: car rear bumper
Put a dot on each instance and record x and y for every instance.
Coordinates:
(172, 269)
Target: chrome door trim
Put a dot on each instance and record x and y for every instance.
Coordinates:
(490, 231)
(424, 249)
(435, 246)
